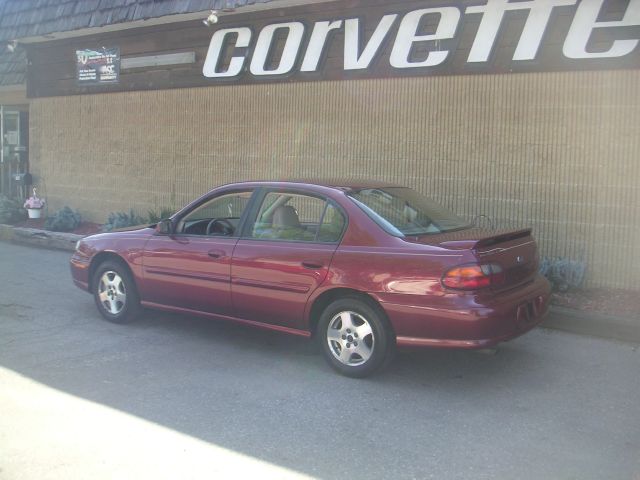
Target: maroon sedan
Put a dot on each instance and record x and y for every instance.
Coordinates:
(362, 267)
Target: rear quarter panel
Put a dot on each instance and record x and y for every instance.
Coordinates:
(406, 283)
(393, 271)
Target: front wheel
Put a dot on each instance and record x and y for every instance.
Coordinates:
(355, 338)
(115, 292)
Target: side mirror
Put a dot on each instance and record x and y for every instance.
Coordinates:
(164, 227)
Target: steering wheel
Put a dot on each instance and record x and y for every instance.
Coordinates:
(220, 225)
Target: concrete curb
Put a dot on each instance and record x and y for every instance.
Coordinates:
(626, 329)
(39, 238)
(560, 318)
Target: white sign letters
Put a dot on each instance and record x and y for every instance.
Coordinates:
(575, 46)
(449, 18)
(306, 44)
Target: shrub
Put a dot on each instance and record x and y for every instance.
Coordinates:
(64, 220)
(563, 273)
(122, 220)
(11, 211)
(155, 216)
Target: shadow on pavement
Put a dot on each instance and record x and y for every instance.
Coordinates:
(270, 396)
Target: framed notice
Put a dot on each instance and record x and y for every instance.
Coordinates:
(99, 66)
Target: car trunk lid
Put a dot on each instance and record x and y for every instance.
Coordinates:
(514, 251)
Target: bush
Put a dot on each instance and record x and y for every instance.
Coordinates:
(155, 216)
(122, 220)
(11, 211)
(563, 273)
(65, 220)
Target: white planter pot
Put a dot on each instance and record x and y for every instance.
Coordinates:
(34, 212)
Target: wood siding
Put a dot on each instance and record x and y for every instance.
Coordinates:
(557, 151)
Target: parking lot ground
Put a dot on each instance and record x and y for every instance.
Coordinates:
(172, 396)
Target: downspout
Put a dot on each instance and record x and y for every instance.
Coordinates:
(1, 148)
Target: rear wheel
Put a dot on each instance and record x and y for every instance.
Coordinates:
(355, 338)
(114, 292)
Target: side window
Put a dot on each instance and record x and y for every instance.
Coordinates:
(332, 225)
(217, 217)
(289, 216)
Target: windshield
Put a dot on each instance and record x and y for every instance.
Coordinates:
(404, 212)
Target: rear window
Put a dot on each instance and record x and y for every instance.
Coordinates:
(404, 212)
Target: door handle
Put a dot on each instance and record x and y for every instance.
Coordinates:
(215, 253)
(312, 264)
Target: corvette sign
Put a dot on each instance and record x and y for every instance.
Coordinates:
(425, 39)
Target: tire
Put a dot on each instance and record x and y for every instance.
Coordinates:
(355, 337)
(114, 292)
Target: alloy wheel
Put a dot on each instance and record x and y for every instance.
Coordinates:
(350, 338)
(112, 293)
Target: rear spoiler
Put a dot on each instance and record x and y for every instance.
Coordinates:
(487, 240)
(504, 237)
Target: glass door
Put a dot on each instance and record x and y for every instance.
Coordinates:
(14, 165)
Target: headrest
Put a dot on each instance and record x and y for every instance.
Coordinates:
(285, 216)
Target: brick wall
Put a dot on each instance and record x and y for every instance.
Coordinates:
(558, 151)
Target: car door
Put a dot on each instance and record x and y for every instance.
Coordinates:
(191, 267)
(284, 256)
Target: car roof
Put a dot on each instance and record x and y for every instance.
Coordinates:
(342, 184)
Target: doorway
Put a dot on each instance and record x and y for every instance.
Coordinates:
(14, 151)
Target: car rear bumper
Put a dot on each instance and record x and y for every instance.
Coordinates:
(476, 324)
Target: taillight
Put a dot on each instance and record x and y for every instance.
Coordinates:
(473, 277)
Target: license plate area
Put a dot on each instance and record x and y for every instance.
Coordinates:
(529, 311)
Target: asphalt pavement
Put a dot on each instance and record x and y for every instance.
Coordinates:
(172, 396)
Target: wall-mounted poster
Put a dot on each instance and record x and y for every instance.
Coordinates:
(98, 66)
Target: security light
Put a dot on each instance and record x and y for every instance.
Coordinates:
(211, 19)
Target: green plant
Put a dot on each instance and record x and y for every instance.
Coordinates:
(122, 220)
(155, 216)
(10, 210)
(563, 273)
(64, 220)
